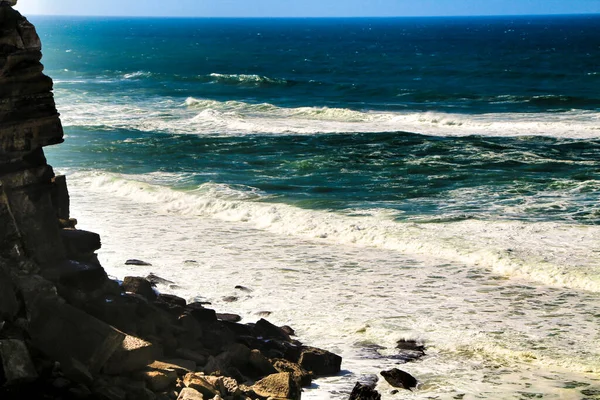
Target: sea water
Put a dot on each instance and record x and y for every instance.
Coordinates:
(369, 180)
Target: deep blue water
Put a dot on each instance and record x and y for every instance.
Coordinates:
(313, 112)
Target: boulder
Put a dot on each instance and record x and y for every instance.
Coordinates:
(261, 364)
(160, 381)
(280, 386)
(364, 392)
(229, 317)
(155, 280)
(267, 330)
(16, 362)
(320, 362)
(202, 384)
(134, 354)
(79, 243)
(134, 261)
(302, 376)
(190, 394)
(170, 298)
(63, 332)
(139, 285)
(399, 378)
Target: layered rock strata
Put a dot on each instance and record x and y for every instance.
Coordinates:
(66, 330)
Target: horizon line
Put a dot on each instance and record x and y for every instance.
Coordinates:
(315, 17)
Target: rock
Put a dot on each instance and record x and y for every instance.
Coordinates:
(139, 285)
(10, 2)
(320, 362)
(72, 274)
(133, 261)
(267, 330)
(364, 392)
(281, 386)
(202, 314)
(63, 332)
(229, 317)
(288, 330)
(60, 197)
(109, 393)
(9, 306)
(155, 280)
(200, 383)
(399, 378)
(76, 371)
(410, 350)
(190, 394)
(302, 376)
(191, 355)
(192, 326)
(264, 313)
(159, 381)
(230, 299)
(243, 288)
(179, 365)
(134, 354)
(79, 243)
(261, 364)
(16, 362)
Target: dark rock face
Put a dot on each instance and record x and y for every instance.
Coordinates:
(399, 378)
(364, 392)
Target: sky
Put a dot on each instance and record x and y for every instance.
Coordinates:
(305, 8)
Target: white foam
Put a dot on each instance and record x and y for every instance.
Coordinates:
(486, 336)
(211, 117)
(552, 253)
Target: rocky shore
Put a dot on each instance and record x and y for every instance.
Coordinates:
(68, 331)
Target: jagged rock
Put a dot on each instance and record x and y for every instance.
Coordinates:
(139, 285)
(134, 354)
(190, 394)
(243, 288)
(281, 386)
(202, 384)
(201, 314)
(76, 371)
(16, 362)
(76, 275)
(399, 378)
(288, 330)
(320, 362)
(133, 261)
(364, 392)
(302, 376)
(172, 299)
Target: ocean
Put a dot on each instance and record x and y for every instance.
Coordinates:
(370, 180)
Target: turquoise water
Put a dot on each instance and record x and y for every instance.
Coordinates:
(355, 161)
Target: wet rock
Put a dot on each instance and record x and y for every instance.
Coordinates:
(139, 285)
(265, 329)
(16, 362)
(399, 378)
(243, 288)
(230, 299)
(364, 392)
(79, 243)
(409, 350)
(264, 313)
(155, 279)
(320, 362)
(280, 386)
(288, 330)
(134, 261)
(229, 317)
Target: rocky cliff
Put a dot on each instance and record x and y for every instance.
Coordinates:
(69, 332)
